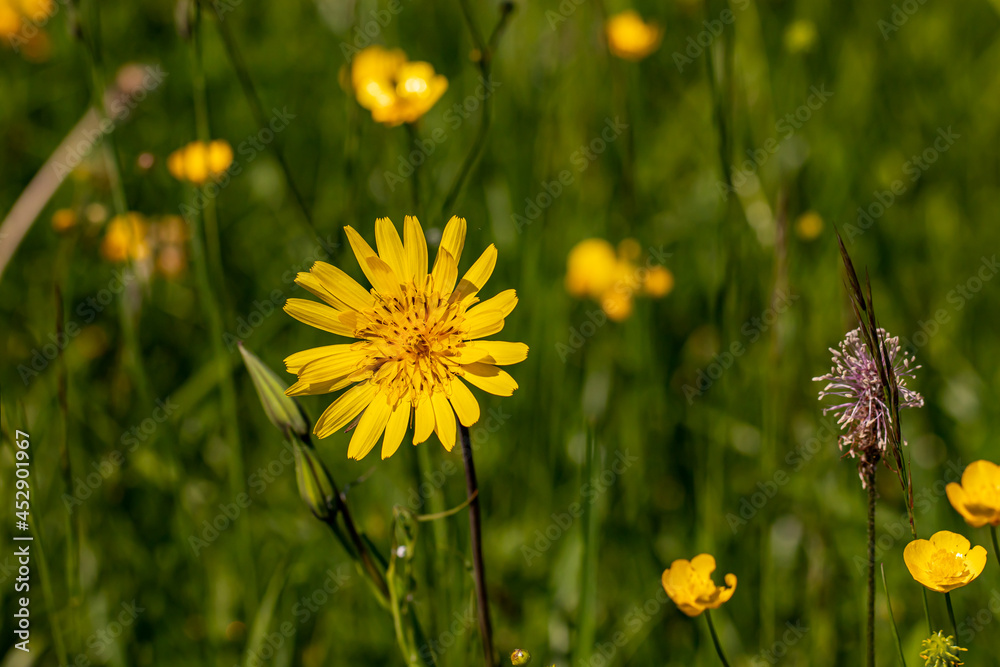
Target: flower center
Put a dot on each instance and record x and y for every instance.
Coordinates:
(945, 565)
(416, 339)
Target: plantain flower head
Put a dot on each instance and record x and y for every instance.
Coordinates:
(630, 37)
(394, 89)
(689, 584)
(199, 162)
(862, 412)
(977, 498)
(945, 562)
(418, 339)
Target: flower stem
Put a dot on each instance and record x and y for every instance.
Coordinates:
(871, 566)
(475, 530)
(892, 620)
(996, 545)
(715, 638)
(486, 49)
(951, 614)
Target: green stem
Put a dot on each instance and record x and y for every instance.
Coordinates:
(951, 614)
(475, 535)
(870, 634)
(996, 545)
(257, 109)
(212, 311)
(892, 620)
(588, 575)
(411, 133)
(486, 50)
(715, 638)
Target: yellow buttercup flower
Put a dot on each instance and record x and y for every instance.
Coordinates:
(594, 271)
(945, 562)
(689, 584)
(809, 225)
(395, 90)
(417, 334)
(64, 219)
(199, 162)
(977, 498)
(125, 238)
(800, 36)
(630, 37)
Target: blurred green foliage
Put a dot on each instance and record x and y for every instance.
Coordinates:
(701, 464)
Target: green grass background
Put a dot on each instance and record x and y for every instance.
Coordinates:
(796, 557)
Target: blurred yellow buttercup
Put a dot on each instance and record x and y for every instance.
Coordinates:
(630, 37)
(394, 89)
(595, 271)
(689, 584)
(198, 162)
(125, 238)
(977, 498)
(945, 562)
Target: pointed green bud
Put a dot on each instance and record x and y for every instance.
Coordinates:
(520, 657)
(940, 650)
(315, 484)
(283, 411)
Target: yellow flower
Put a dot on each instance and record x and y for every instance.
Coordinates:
(800, 36)
(417, 336)
(590, 268)
(395, 90)
(659, 282)
(977, 498)
(944, 562)
(631, 38)
(809, 225)
(125, 239)
(199, 162)
(64, 219)
(689, 584)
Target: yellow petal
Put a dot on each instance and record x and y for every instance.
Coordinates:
(344, 409)
(703, 564)
(331, 366)
(343, 287)
(319, 316)
(317, 288)
(453, 238)
(301, 388)
(379, 274)
(465, 404)
(504, 302)
(423, 421)
(416, 248)
(390, 248)
(477, 275)
(369, 428)
(395, 429)
(489, 378)
(445, 272)
(976, 562)
(482, 323)
(294, 362)
(950, 542)
(959, 499)
(444, 420)
(499, 352)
